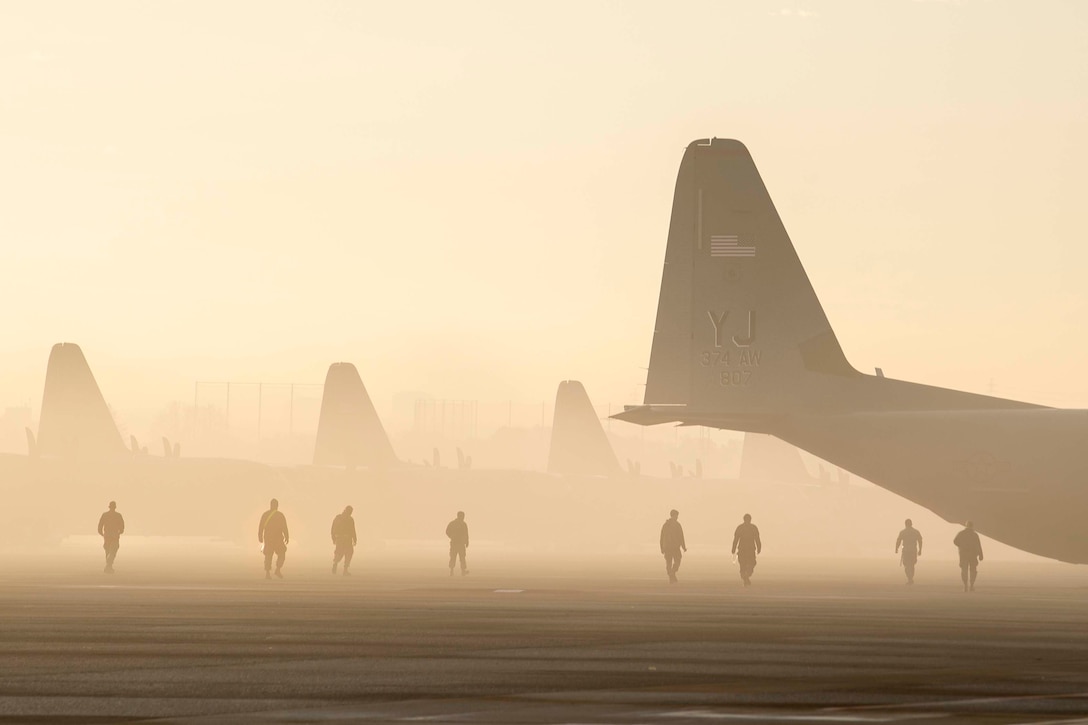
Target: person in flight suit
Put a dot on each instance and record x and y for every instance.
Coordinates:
(746, 545)
(672, 541)
(272, 532)
(457, 531)
(970, 547)
(110, 527)
(911, 541)
(344, 539)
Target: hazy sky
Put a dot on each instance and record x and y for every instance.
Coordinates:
(472, 199)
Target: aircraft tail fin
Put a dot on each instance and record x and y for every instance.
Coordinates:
(737, 318)
(579, 445)
(75, 420)
(741, 338)
(349, 432)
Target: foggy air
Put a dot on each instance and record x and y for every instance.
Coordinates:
(503, 363)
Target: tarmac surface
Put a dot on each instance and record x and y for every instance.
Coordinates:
(536, 642)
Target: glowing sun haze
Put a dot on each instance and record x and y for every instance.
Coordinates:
(471, 199)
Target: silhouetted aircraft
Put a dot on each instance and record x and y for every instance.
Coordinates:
(78, 461)
(742, 343)
(584, 499)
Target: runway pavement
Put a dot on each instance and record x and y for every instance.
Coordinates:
(541, 643)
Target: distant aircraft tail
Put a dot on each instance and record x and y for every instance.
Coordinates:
(75, 420)
(741, 337)
(579, 445)
(766, 459)
(170, 451)
(349, 432)
(464, 463)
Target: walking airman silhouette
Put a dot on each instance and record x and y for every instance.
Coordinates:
(110, 527)
(911, 541)
(746, 545)
(344, 539)
(272, 532)
(970, 547)
(672, 541)
(457, 531)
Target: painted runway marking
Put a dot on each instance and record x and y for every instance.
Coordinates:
(767, 717)
(150, 587)
(959, 703)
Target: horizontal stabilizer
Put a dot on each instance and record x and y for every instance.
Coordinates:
(683, 416)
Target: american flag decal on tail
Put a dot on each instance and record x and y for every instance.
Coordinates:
(728, 245)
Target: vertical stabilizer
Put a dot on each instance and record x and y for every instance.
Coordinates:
(766, 459)
(349, 432)
(741, 340)
(75, 420)
(739, 327)
(579, 445)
